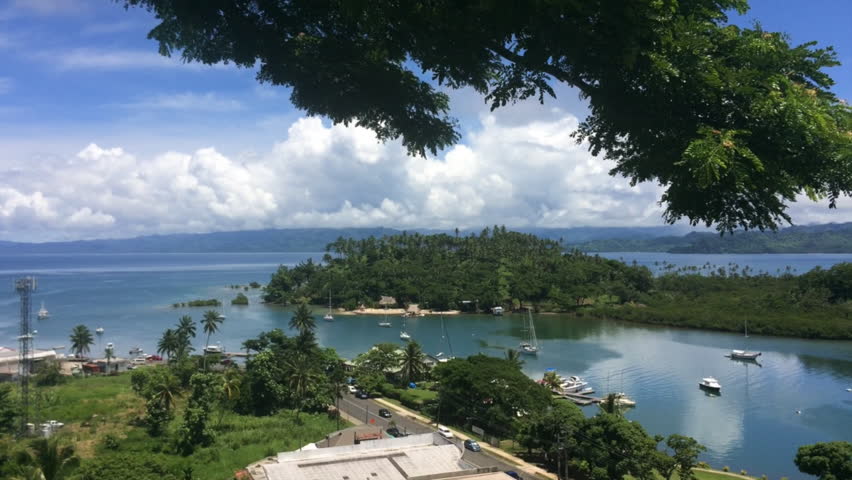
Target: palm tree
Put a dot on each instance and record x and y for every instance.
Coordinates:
(413, 367)
(610, 404)
(302, 319)
(81, 340)
(53, 462)
(168, 343)
(165, 391)
(185, 331)
(514, 356)
(551, 380)
(301, 374)
(230, 390)
(210, 324)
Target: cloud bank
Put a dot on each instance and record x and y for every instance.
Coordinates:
(530, 174)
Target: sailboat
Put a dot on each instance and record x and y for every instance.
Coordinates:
(445, 334)
(744, 354)
(530, 344)
(43, 313)
(403, 335)
(328, 316)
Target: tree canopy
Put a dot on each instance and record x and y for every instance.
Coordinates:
(733, 122)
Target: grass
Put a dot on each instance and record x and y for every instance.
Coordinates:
(96, 407)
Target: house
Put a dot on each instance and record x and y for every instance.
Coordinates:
(9, 361)
(116, 365)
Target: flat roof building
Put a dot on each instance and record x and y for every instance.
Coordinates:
(426, 456)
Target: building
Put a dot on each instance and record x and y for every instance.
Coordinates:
(116, 365)
(417, 457)
(9, 361)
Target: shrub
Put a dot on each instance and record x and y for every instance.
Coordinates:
(240, 300)
(726, 468)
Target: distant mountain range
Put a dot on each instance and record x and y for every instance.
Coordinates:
(299, 239)
(826, 238)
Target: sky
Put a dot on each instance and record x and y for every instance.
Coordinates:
(101, 137)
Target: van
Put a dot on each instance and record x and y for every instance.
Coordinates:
(445, 432)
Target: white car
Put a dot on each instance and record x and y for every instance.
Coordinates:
(445, 432)
(352, 389)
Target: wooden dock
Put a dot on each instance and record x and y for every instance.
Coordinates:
(578, 398)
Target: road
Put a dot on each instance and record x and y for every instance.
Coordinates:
(367, 411)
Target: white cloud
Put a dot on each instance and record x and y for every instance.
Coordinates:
(5, 85)
(100, 59)
(207, 102)
(505, 173)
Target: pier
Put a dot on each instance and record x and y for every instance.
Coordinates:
(578, 398)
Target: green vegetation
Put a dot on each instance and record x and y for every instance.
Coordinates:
(496, 267)
(736, 122)
(829, 238)
(826, 460)
(199, 303)
(81, 340)
(814, 305)
(240, 299)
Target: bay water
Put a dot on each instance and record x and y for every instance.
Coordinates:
(796, 395)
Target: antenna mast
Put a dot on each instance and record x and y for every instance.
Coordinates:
(25, 286)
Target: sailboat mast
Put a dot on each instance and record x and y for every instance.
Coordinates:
(533, 339)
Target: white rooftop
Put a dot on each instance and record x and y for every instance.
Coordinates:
(386, 459)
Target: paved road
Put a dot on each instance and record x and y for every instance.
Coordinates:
(367, 411)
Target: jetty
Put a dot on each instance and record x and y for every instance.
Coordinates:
(578, 398)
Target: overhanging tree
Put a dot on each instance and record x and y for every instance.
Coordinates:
(733, 122)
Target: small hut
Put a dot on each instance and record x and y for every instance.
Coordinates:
(413, 309)
(387, 301)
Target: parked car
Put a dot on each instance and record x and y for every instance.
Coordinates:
(384, 413)
(444, 432)
(472, 445)
(514, 475)
(394, 432)
(362, 394)
(352, 389)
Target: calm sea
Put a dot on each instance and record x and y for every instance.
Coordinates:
(797, 395)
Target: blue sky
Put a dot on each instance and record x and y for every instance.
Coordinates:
(102, 137)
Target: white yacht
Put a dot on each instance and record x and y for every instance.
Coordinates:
(497, 311)
(710, 383)
(99, 330)
(744, 355)
(623, 400)
(214, 349)
(328, 316)
(573, 384)
(530, 344)
(43, 313)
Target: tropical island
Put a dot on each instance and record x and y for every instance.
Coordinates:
(513, 270)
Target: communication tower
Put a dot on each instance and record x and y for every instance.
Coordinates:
(25, 287)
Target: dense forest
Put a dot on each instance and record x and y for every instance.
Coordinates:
(828, 238)
(514, 270)
(496, 267)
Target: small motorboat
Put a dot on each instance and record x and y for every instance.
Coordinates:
(99, 330)
(710, 383)
(744, 355)
(573, 384)
(497, 311)
(135, 351)
(221, 317)
(328, 317)
(43, 313)
(849, 389)
(404, 336)
(385, 324)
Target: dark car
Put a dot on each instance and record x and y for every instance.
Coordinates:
(362, 394)
(472, 446)
(384, 413)
(514, 475)
(394, 432)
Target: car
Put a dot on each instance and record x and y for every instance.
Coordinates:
(514, 475)
(472, 445)
(362, 394)
(352, 389)
(444, 432)
(384, 413)
(394, 432)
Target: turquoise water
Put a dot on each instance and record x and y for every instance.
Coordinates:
(753, 425)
